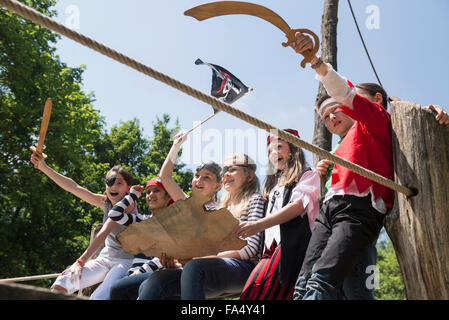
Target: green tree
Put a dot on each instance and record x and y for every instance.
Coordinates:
(391, 285)
(36, 223)
(42, 227)
(125, 143)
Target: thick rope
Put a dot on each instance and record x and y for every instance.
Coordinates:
(41, 19)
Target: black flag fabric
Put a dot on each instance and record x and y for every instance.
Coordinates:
(225, 86)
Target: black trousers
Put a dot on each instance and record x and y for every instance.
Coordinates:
(346, 226)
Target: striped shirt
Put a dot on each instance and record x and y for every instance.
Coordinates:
(255, 211)
(141, 263)
(117, 213)
(144, 264)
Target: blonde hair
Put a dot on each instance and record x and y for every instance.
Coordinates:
(295, 165)
(239, 202)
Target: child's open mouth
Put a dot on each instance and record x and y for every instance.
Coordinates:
(113, 194)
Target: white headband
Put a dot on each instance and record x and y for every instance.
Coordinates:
(329, 102)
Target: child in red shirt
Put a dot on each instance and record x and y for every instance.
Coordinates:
(354, 207)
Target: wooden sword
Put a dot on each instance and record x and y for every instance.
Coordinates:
(44, 125)
(221, 8)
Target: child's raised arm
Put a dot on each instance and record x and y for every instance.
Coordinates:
(119, 212)
(336, 86)
(67, 183)
(165, 175)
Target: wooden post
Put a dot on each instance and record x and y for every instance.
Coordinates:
(419, 226)
(321, 136)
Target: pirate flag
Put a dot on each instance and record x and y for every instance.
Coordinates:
(225, 86)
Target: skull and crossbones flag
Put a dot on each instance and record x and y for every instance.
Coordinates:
(225, 86)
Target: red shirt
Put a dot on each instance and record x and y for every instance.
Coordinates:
(368, 144)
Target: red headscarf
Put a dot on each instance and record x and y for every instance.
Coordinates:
(157, 182)
(272, 138)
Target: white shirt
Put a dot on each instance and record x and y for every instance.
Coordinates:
(307, 190)
(275, 200)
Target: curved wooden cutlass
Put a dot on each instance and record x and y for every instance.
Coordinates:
(221, 8)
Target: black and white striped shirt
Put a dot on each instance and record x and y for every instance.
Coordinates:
(117, 213)
(255, 211)
(141, 263)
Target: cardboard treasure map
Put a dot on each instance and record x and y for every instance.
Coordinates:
(183, 230)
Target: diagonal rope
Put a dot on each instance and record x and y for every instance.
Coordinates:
(41, 19)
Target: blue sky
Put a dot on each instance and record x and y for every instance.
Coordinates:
(409, 49)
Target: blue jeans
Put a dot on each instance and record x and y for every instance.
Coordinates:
(161, 285)
(317, 287)
(127, 288)
(199, 279)
(354, 285)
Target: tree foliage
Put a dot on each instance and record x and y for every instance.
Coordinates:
(42, 227)
(391, 285)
